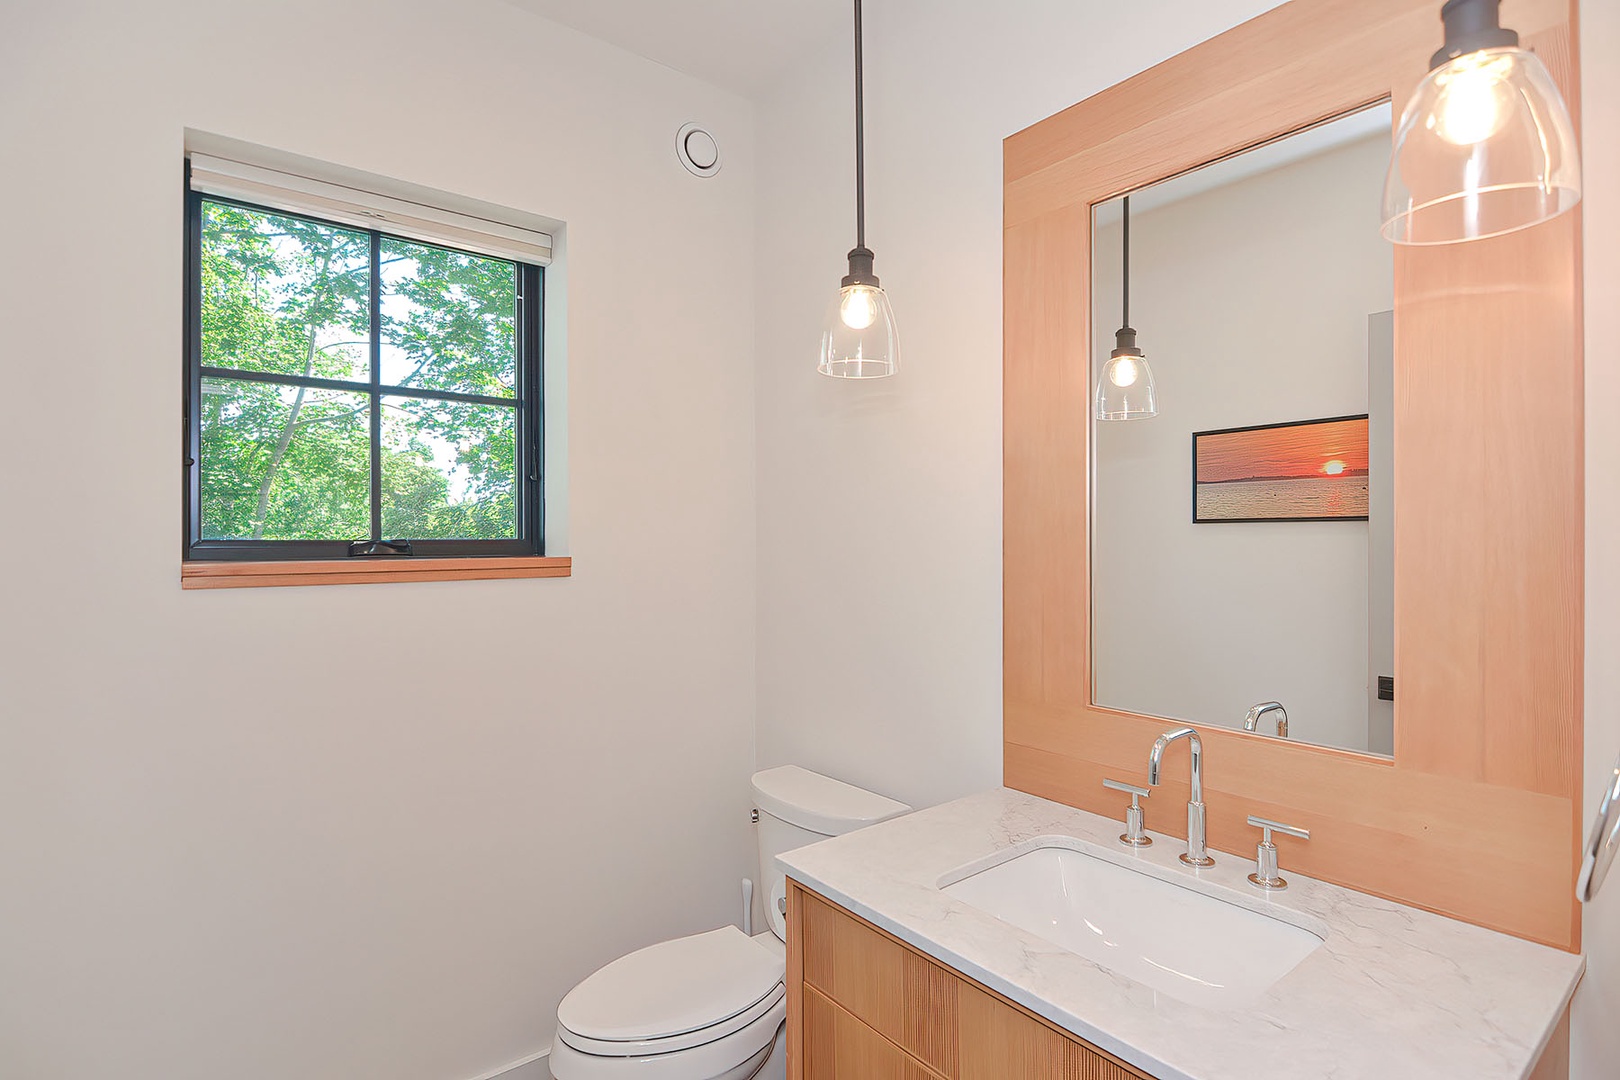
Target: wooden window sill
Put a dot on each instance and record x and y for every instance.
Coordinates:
(253, 575)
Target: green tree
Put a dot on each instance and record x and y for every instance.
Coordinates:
(292, 297)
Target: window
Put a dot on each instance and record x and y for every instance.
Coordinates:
(352, 393)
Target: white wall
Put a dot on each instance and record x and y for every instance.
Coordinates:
(880, 504)
(361, 831)
(1252, 301)
(1597, 1003)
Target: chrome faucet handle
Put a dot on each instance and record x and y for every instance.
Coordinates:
(1266, 875)
(1134, 835)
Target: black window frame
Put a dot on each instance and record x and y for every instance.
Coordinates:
(528, 405)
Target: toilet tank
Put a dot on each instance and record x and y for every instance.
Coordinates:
(798, 807)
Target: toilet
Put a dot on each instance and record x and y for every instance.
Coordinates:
(710, 1006)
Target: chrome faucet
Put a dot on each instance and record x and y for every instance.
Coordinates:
(1252, 721)
(1196, 853)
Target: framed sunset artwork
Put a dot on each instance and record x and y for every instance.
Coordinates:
(1311, 470)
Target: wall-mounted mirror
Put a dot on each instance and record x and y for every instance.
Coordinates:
(1242, 543)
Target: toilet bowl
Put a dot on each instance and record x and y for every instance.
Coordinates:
(709, 1006)
(696, 1008)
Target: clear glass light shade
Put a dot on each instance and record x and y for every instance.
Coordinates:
(1125, 389)
(1486, 146)
(860, 341)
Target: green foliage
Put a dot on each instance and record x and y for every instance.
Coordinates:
(416, 499)
(318, 489)
(292, 297)
(449, 320)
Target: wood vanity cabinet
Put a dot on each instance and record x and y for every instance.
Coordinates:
(863, 1005)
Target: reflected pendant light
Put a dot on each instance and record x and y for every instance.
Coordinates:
(1486, 145)
(860, 341)
(1125, 388)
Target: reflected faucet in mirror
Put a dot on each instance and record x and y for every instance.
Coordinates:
(1276, 549)
(1251, 722)
(1197, 853)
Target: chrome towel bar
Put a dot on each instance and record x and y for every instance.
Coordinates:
(1602, 843)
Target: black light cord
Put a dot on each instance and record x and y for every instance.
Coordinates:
(1127, 290)
(860, 136)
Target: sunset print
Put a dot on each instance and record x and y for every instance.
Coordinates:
(1314, 470)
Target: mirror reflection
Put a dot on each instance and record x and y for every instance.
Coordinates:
(1242, 552)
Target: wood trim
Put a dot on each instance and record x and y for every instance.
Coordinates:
(1477, 816)
(1000, 1039)
(795, 981)
(252, 575)
(905, 996)
(836, 1045)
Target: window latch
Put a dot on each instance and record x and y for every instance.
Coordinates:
(374, 549)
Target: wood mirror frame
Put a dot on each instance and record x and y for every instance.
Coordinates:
(1477, 815)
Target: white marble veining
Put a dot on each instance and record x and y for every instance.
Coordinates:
(1393, 993)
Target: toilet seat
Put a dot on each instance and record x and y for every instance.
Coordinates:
(684, 1041)
(736, 1057)
(690, 1009)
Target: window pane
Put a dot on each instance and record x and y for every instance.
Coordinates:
(449, 470)
(448, 320)
(285, 295)
(284, 463)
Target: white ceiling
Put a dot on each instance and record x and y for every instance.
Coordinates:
(741, 45)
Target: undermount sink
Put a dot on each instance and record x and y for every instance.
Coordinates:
(1187, 944)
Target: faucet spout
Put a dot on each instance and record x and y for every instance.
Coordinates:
(1194, 744)
(1251, 722)
(1197, 853)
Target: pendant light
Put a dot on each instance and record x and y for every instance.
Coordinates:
(860, 341)
(1125, 388)
(1486, 145)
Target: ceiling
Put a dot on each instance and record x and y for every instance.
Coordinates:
(741, 45)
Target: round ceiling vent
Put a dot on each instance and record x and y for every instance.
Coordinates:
(695, 145)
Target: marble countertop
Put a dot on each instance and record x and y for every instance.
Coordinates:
(1393, 992)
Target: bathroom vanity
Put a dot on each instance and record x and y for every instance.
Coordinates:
(908, 959)
(1376, 550)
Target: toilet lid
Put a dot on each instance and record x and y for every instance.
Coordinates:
(672, 988)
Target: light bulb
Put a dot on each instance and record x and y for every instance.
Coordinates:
(859, 307)
(859, 339)
(1470, 108)
(1124, 371)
